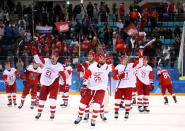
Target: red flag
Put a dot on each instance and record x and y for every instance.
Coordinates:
(131, 30)
(62, 26)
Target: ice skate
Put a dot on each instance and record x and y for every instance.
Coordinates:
(64, 104)
(14, 103)
(116, 115)
(31, 106)
(77, 121)
(86, 116)
(103, 117)
(166, 101)
(20, 106)
(38, 116)
(52, 116)
(93, 122)
(146, 109)
(126, 115)
(175, 100)
(140, 108)
(9, 103)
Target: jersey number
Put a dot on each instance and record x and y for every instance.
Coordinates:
(143, 74)
(11, 78)
(165, 75)
(48, 73)
(97, 77)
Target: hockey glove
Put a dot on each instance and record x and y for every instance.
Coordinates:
(151, 86)
(121, 76)
(83, 90)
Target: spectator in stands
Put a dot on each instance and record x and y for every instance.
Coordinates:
(177, 45)
(44, 11)
(103, 12)
(65, 48)
(155, 32)
(177, 31)
(168, 33)
(161, 10)
(18, 9)
(121, 10)
(171, 11)
(134, 15)
(1, 30)
(115, 10)
(2, 15)
(120, 25)
(184, 9)
(63, 12)
(78, 27)
(157, 45)
(7, 17)
(90, 10)
(20, 65)
(96, 10)
(70, 12)
(166, 54)
(162, 33)
(1, 67)
(76, 10)
(27, 36)
(155, 14)
(147, 6)
(73, 44)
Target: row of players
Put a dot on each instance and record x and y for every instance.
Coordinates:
(131, 75)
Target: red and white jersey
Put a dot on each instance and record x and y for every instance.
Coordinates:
(32, 75)
(68, 73)
(10, 76)
(50, 72)
(164, 77)
(129, 79)
(97, 78)
(145, 74)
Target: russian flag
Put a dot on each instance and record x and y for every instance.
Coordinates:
(150, 42)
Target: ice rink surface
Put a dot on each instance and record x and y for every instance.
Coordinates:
(162, 117)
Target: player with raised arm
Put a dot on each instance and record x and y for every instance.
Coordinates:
(30, 81)
(9, 76)
(144, 85)
(165, 83)
(49, 81)
(64, 89)
(94, 86)
(124, 73)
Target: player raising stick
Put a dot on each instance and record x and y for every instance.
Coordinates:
(165, 83)
(49, 81)
(64, 89)
(9, 77)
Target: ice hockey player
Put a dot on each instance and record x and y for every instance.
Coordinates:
(30, 81)
(144, 85)
(82, 68)
(96, 77)
(165, 83)
(64, 89)
(9, 76)
(124, 74)
(49, 81)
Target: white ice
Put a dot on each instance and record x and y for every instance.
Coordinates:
(162, 117)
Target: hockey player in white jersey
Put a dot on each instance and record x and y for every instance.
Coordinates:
(49, 81)
(97, 74)
(64, 89)
(9, 76)
(124, 73)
